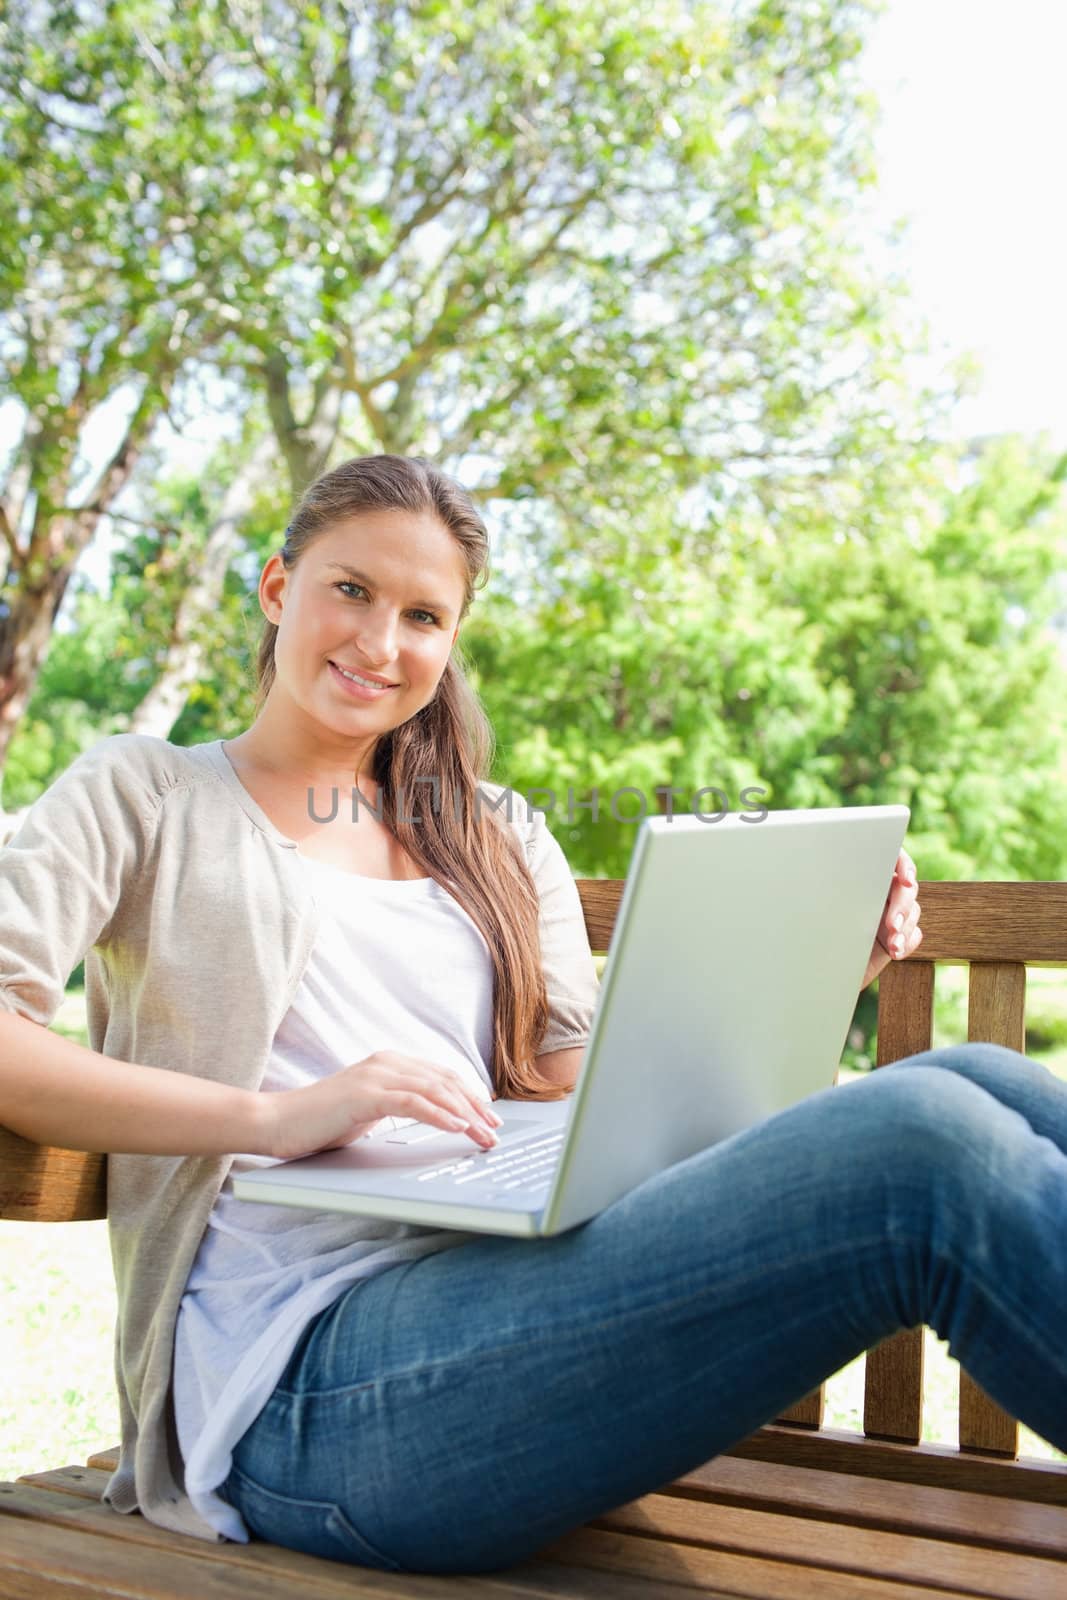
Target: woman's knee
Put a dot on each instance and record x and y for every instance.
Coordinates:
(1007, 1075)
(922, 1120)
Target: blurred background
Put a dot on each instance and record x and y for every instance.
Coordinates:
(742, 323)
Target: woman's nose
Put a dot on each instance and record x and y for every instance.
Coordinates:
(377, 644)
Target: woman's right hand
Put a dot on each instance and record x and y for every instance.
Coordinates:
(343, 1107)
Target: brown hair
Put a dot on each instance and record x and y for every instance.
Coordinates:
(457, 840)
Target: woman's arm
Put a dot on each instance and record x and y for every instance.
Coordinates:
(63, 876)
(56, 1092)
(562, 1066)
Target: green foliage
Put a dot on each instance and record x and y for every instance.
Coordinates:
(905, 660)
(50, 736)
(606, 249)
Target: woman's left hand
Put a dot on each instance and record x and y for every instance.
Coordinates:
(899, 933)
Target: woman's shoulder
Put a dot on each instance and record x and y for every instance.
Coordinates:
(139, 767)
(112, 791)
(544, 855)
(144, 754)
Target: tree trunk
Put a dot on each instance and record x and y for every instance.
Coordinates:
(163, 704)
(305, 448)
(29, 610)
(60, 535)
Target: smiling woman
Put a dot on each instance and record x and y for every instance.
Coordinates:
(380, 565)
(269, 984)
(288, 1373)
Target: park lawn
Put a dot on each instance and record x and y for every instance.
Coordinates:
(57, 1295)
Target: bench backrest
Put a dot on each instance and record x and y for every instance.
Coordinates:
(997, 928)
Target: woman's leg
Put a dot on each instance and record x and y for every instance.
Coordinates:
(457, 1413)
(1013, 1079)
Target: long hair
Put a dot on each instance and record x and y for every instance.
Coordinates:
(455, 838)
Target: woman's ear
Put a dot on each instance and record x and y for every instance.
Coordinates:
(271, 588)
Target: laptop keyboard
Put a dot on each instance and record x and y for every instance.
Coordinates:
(524, 1166)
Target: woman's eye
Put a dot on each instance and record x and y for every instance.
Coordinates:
(346, 583)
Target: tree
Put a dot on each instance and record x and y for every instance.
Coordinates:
(105, 292)
(908, 658)
(601, 251)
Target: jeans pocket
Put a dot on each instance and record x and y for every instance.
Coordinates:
(365, 1553)
(318, 1527)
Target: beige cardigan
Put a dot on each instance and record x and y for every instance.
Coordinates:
(153, 862)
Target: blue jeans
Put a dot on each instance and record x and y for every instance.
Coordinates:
(457, 1413)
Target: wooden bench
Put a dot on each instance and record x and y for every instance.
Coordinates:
(795, 1510)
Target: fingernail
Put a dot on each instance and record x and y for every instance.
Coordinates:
(898, 947)
(898, 920)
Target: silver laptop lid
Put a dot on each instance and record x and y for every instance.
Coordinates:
(733, 973)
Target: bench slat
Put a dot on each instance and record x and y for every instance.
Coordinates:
(961, 921)
(714, 1549)
(996, 1011)
(729, 1572)
(56, 1543)
(39, 1183)
(697, 1538)
(943, 1466)
(824, 1543)
(1024, 1526)
(893, 1386)
(806, 1413)
(996, 1003)
(85, 1483)
(1024, 922)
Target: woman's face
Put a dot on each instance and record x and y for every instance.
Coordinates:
(396, 620)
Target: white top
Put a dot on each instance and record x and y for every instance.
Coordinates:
(397, 965)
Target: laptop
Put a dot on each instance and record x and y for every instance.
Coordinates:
(731, 980)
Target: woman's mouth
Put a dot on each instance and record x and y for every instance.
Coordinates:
(359, 689)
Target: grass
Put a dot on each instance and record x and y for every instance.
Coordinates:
(57, 1295)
